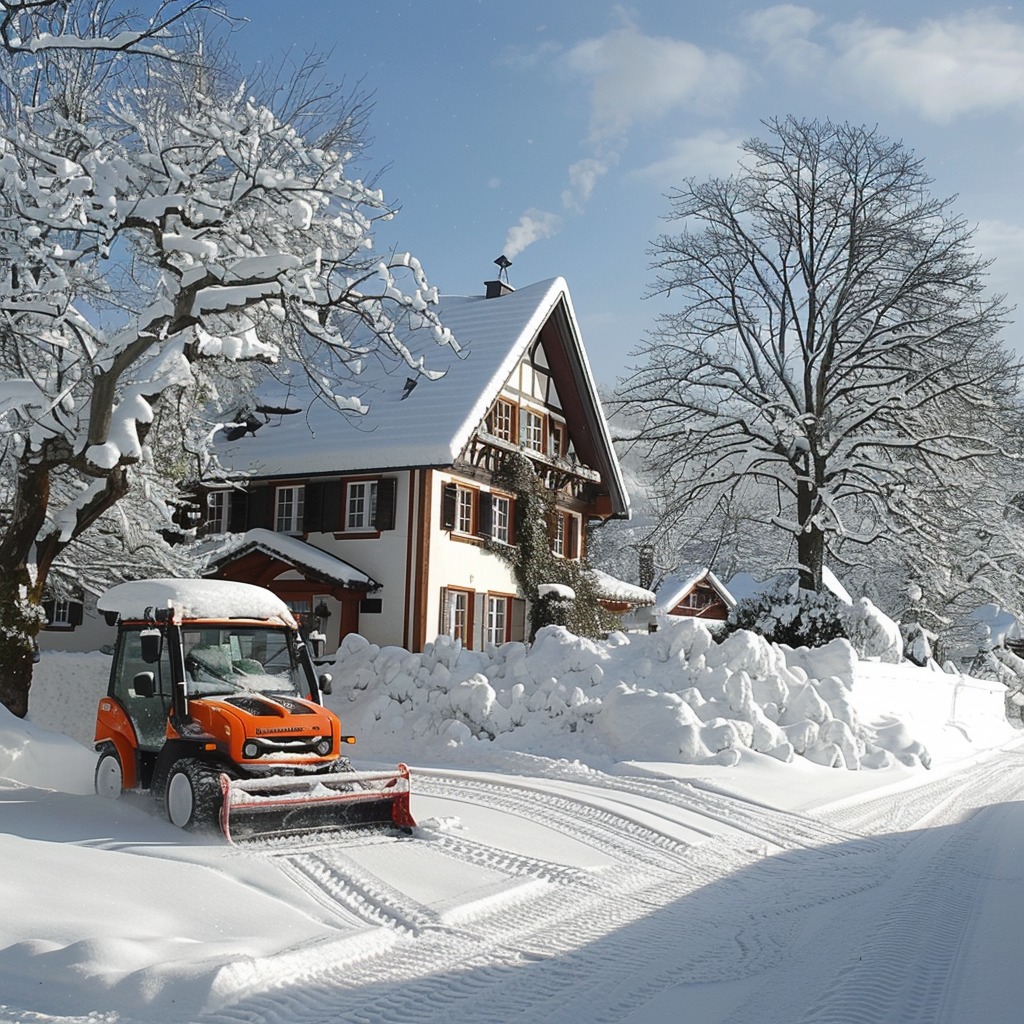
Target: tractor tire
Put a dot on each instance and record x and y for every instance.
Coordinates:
(193, 798)
(109, 779)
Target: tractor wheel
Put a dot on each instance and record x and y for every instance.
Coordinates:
(193, 796)
(109, 773)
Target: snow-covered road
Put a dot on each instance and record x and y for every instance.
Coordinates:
(620, 918)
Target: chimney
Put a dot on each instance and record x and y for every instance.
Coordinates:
(495, 289)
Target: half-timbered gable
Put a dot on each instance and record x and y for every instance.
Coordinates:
(405, 496)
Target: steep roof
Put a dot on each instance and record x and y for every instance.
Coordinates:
(674, 588)
(431, 424)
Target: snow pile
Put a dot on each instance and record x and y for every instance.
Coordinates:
(33, 756)
(674, 695)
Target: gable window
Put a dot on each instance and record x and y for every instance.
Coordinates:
(361, 505)
(217, 512)
(533, 431)
(288, 509)
(502, 421)
(556, 437)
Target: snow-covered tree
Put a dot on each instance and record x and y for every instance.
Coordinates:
(834, 345)
(155, 226)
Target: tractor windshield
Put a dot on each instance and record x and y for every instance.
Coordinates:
(239, 659)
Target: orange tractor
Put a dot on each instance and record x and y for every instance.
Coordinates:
(214, 706)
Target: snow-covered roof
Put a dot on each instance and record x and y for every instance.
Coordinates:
(301, 555)
(612, 589)
(430, 424)
(195, 599)
(674, 588)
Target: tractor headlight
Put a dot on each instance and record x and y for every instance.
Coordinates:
(251, 749)
(323, 748)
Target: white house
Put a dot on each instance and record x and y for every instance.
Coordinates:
(388, 526)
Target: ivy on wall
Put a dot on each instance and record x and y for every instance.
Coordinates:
(533, 563)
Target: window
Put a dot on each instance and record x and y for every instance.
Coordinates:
(458, 615)
(501, 518)
(533, 431)
(288, 518)
(497, 619)
(464, 502)
(217, 512)
(361, 507)
(556, 435)
(502, 421)
(61, 613)
(565, 535)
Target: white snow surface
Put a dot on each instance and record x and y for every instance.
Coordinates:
(195, 599)
(607, 831)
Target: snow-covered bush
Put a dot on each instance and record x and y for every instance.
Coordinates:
(872, 633)
(798, 618)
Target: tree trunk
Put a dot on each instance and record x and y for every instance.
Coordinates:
(810, 542)
(21, 614)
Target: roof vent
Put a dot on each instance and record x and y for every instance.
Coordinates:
(501, 286)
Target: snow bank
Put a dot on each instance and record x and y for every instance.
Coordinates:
(674, 695)
(34, 756)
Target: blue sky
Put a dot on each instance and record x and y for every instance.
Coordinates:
(553, 130)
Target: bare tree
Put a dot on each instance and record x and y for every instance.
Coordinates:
(156, 226)
(835, 348)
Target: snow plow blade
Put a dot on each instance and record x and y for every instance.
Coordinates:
(292, 805)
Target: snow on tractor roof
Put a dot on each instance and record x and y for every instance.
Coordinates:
(196, 599)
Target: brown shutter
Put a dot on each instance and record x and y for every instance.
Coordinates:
(330, 509)
(75, 613)
(572, 537)
(312, 507)
(387, 490)
(448, 507)
(258, 513)
(484, 514)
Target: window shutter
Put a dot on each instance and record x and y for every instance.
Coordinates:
(330, 506)
(75, 613)
(237, 511)
(442, 618)
(48, 608)
(387, 491)
(312, 509)
(518, 629)
(479, 620)
(258, 512)
(484, 515)
(572, 539)
(448, 507)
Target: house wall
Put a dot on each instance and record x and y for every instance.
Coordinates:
(92, 635)
(460, 562)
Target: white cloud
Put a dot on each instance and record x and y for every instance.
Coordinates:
(636, 77)
(783, 34)
(712, 153)
(532, 226)
(968, 63)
